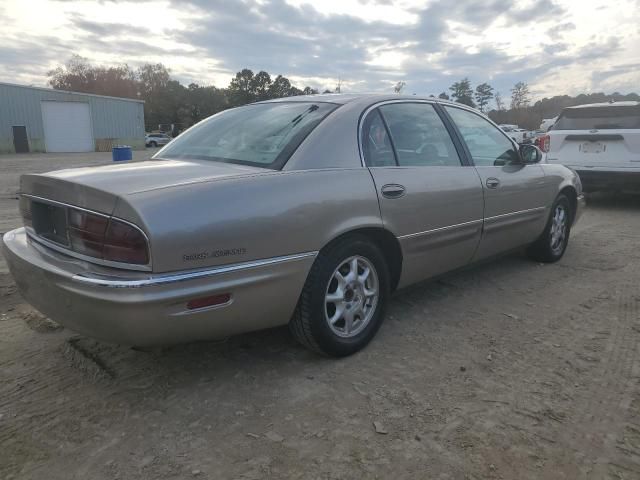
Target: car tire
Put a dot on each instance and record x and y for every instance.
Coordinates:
(551, 245)
(153, 144)
(321, 320)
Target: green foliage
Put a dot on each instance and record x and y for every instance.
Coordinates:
(499, 102)
(79, 75)
(520, 96)
(484, 93)
(461, 92)
(167, 101)
(443, 96)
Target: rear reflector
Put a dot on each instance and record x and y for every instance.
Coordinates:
(208, 301)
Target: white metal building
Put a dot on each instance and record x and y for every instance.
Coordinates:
(34, 119)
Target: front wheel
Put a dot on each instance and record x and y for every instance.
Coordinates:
(551, 245)
(342, 304)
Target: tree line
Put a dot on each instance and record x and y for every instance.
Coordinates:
(462, 92)
(521, 110)
(167, 101)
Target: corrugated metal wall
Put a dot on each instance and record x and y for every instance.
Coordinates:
(115, 121)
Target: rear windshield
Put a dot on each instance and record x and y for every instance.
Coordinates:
(599, 118)
(263, 135)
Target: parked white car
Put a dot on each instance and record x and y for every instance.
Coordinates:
(600, 141)
(547, 123)
(518, 134)
(156, 139)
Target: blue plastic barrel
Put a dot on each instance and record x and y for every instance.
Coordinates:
(121, 153)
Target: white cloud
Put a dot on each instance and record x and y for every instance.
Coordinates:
(558, 46)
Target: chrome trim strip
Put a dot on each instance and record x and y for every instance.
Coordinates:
(96, 261)
(472, 222)
(55, 202)
(519, 212)
(440, 229)
(192, 275)
(87, 258)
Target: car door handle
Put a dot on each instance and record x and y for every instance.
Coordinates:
(492, 182)
(393, 190)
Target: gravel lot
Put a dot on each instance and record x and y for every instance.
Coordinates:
(508, 370)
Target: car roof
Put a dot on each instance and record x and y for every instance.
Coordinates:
(606, 104)
(345, 98)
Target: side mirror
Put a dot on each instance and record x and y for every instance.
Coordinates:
(530, 153)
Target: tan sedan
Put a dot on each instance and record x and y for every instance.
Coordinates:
(308, 211)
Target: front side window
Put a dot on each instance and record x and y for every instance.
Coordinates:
(418, 136)
(263, 135)
(599, 118)
(487, 144)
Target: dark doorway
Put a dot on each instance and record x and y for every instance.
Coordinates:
(20, 141)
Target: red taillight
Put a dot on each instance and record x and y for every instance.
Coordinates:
(544, 143)
(86, 232)
(125, 243)
(106, 238)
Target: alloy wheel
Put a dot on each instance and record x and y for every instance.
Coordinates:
(558, 230)
(351, 296)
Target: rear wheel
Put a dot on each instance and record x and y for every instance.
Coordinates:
(343, 301)
(551, 245)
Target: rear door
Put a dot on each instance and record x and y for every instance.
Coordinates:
(514, 193)
(597, 137)
(428, 198)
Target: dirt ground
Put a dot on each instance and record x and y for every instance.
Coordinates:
(508, 370)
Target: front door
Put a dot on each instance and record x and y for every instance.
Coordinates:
(428, 199)
(514, 192)
(20, 140)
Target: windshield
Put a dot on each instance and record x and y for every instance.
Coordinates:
(263, 135)
(599, 118)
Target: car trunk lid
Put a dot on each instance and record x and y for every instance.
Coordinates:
(98, 188)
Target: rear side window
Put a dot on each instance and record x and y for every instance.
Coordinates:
(488, 145)
(599, 118)
(263, 135)
(378, 151)
(415, 134)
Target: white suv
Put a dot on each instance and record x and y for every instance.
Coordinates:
(601, 141)
(156, 139)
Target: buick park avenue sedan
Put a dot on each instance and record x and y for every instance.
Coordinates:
(307, 211)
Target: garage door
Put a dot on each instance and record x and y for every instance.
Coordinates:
(67, 127)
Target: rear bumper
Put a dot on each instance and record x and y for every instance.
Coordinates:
(608, 180)
(148, 310)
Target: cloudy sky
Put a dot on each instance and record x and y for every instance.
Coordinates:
(557, 46)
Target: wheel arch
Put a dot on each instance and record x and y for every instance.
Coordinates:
(387, 243)
(570, 192)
